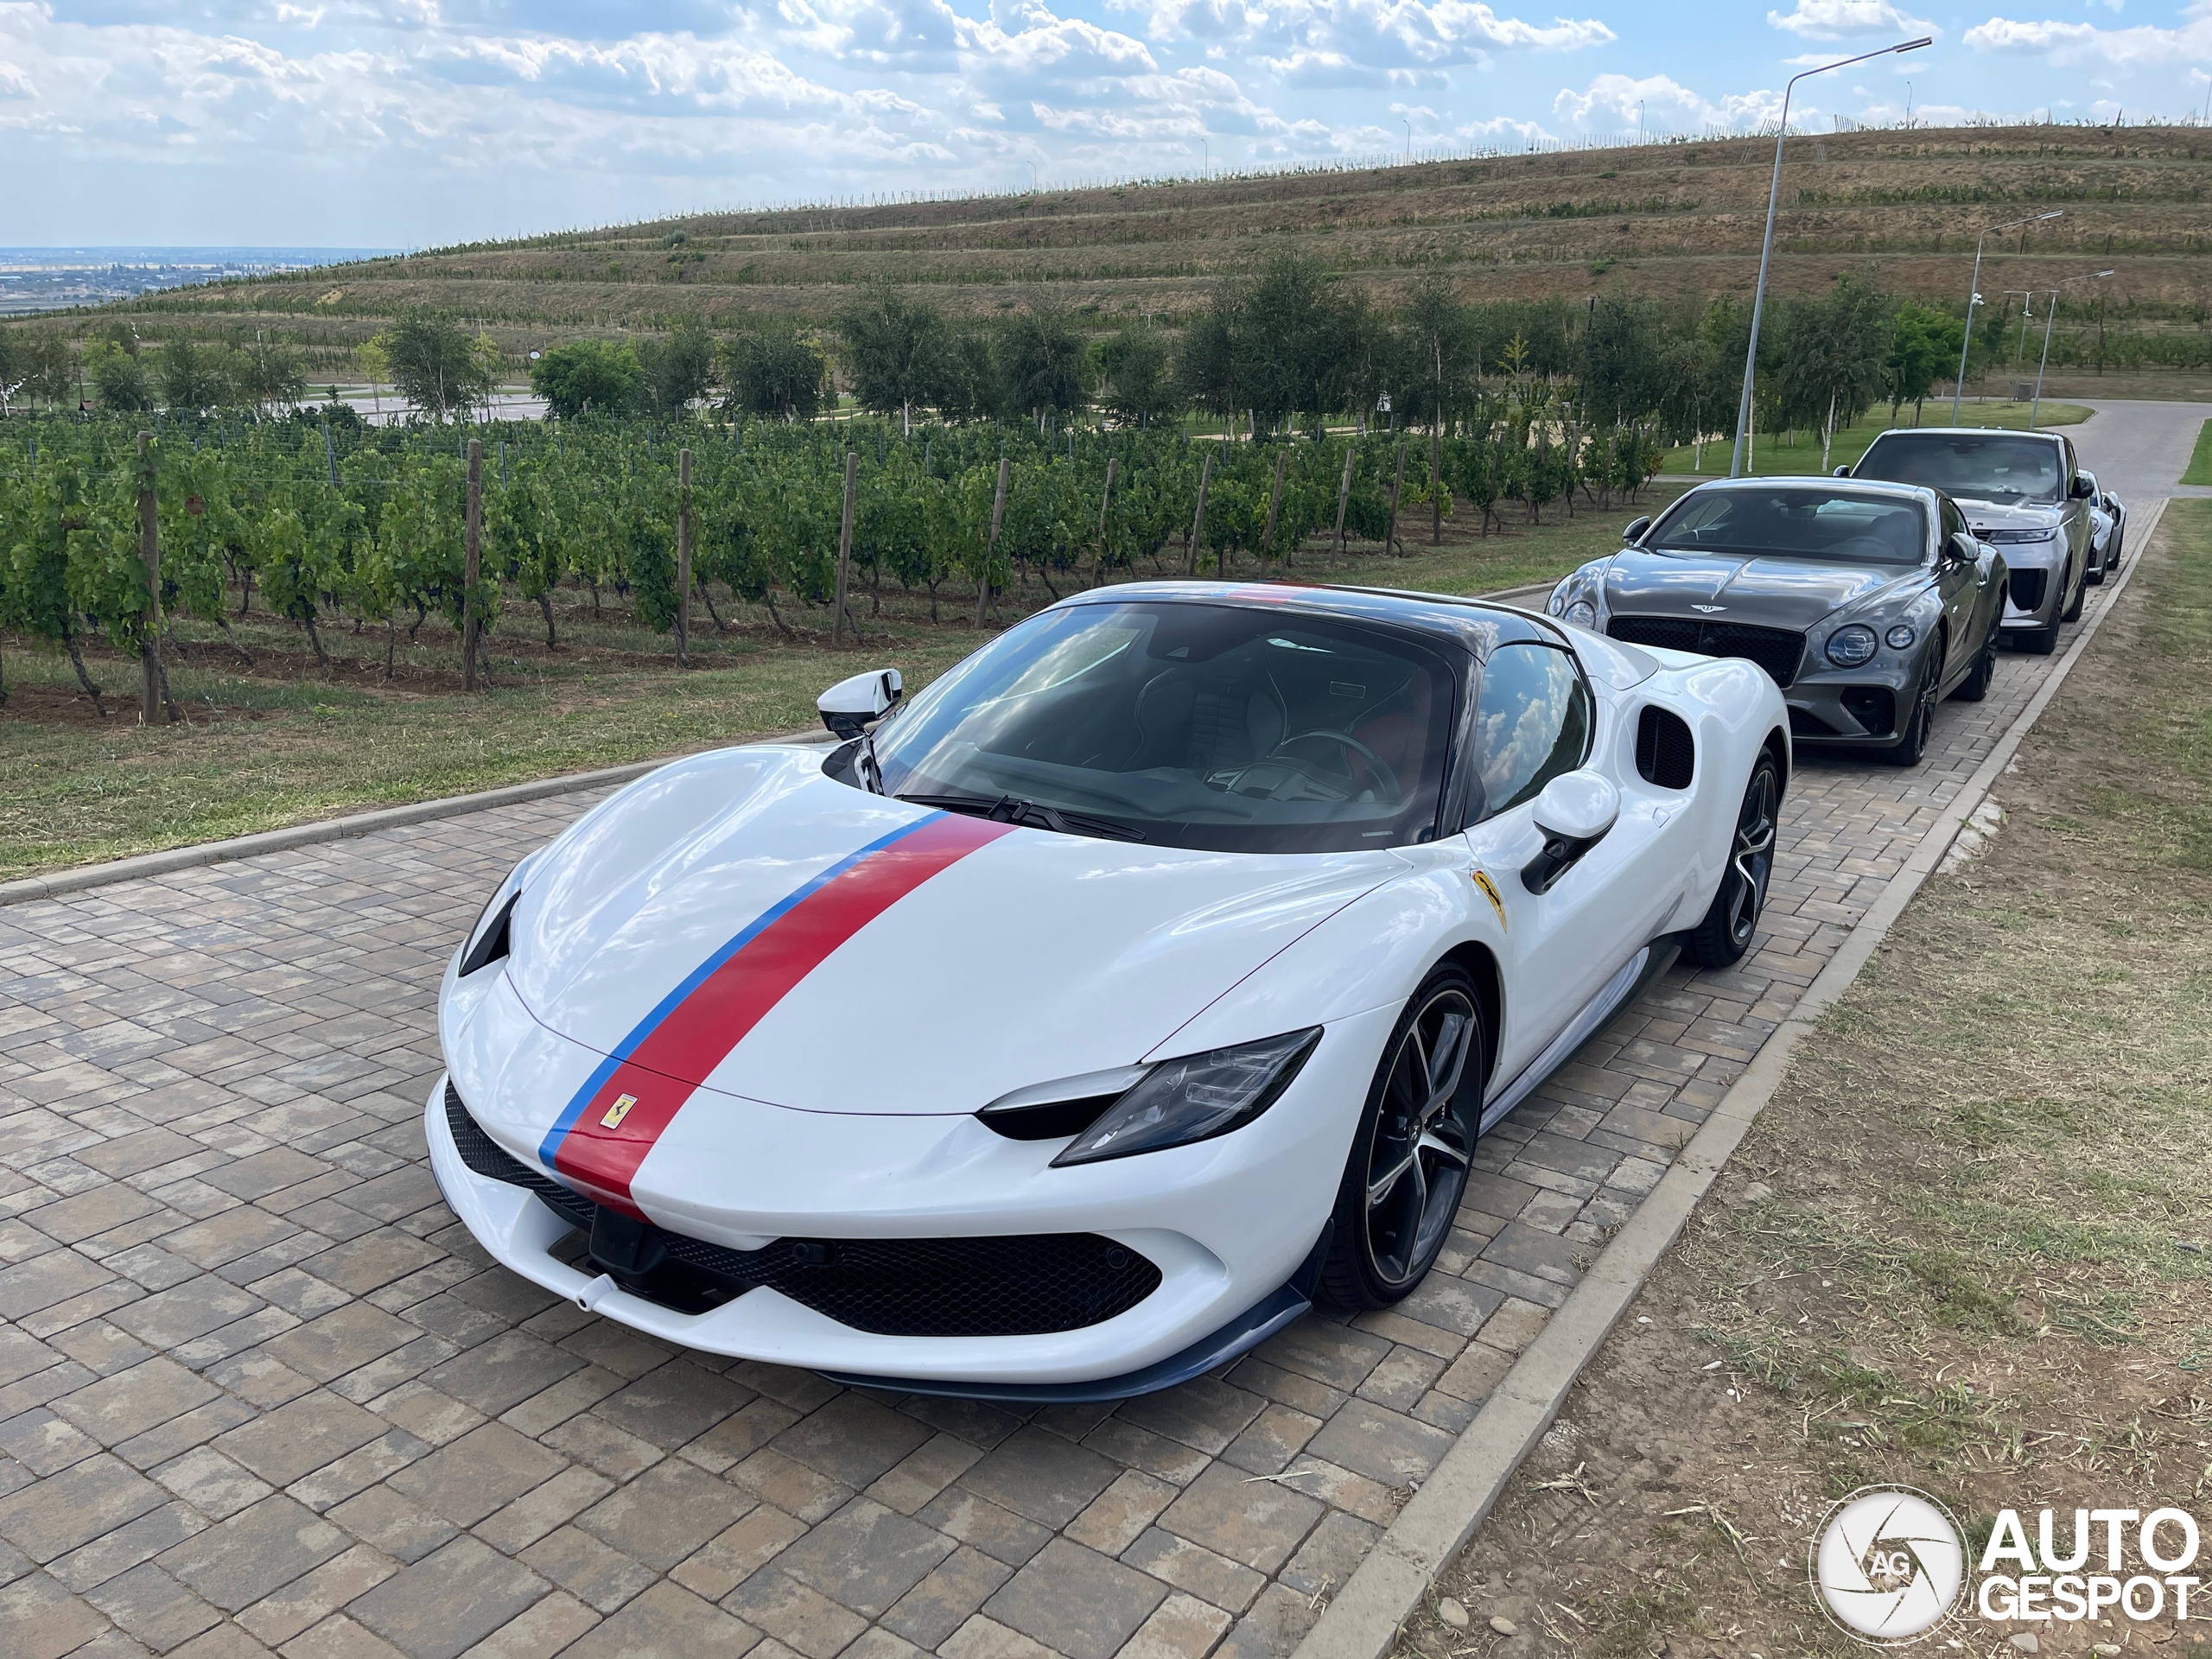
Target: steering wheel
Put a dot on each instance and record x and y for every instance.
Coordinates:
(1381, 778)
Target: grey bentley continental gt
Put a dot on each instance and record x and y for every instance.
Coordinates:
(1867, 603)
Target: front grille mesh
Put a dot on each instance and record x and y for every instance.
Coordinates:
(1017, 1285)
(1778, 651)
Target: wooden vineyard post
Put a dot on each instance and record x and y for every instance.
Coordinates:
(1198, 523)
(1105, 501)
(471, 564)
(1274, 501)
(845, 550)
(991, 547)
(1435, 492)
(1397, 489)
(153, 706)
(1344, 500)
(683, 558)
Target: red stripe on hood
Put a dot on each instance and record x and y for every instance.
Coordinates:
(682, 1052)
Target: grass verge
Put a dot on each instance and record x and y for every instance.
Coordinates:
(2200, 461)
(1776, 457)
(286, 738)
(1964, 1248)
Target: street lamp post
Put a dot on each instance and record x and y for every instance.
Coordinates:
(1766, 247)
(2049, 317)
(1973, 297)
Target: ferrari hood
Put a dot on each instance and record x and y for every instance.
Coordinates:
(742, 923)
(1764, 592)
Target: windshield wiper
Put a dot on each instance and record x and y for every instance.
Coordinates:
(1007, 809)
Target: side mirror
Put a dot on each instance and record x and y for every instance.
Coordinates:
(1964, 549)
(1843, 472)
(1636, 529)
(2090, 479)
(850, 706)
(2085, 487)
(1575, 812)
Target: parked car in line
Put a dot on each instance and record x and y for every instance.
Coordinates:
(2022, 492)
(1074, 1026)
(1866, 603)
(2107, 531)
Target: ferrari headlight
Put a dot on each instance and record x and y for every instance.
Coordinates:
(1900, 637)
(1582, 613)
(1194, 1098)
(1851, 644)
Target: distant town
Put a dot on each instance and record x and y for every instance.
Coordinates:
(32, 280)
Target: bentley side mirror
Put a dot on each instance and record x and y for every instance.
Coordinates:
(1963, 548)
(850, 706)
(1634, 533)
(1575, 812)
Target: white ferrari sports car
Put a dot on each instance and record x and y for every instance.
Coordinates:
(1070, 1028)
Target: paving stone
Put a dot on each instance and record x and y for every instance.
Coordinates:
(998, 1533)
(340, 1637)
(1040, 1476)
(341, 1341)
(924, 1472)
(382, 1517)
(1076, 1601)
(866, 1556)
(1327, 1560)
(590, 1438)
(176, 1315)
(673, 1405)
(547, 1627)
(1183, 1628)
(1384, 1446)
(1258, 1522)
(986, 1639)
(664, 1621)
(154, 1608)
(315, 1429)
(256, 1551)
(1193, 1567)
(942, 1602)
(600, 1577)
(69, 1509)
(800, 1617)
(484, 1469)
(44, 1621)
(312, 1597)
(542, 1509)
(666, 1513)
(503, 1372)
(1119, 1515)
(852, 1440)
(126, 1546)
(448, 1601)
(43, 1443)
(211, 1483)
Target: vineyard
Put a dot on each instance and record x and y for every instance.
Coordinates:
(328, 522)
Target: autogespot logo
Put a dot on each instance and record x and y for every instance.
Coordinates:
(1890, 1565)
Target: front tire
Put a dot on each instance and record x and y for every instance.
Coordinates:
(1912, 736)
(2073, 612)
(1410, 1157)
(1721, 939)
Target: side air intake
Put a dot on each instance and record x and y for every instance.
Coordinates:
(1665, 754)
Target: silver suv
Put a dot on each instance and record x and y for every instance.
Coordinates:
(2022, 492)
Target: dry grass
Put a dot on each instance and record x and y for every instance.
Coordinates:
(1976, 1260)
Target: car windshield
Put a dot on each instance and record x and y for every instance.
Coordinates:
(1189, 725)
(1834, 526)
(1994, 466)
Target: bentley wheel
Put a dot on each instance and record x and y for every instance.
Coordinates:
(1975, 686)
(1408, 1163)
(1727, 932)
(1912, 735)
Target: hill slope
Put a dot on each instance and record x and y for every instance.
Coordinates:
(1662, 219)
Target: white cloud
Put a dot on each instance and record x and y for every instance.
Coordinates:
(1610, 103)
(1837, 20)
(2069, 44)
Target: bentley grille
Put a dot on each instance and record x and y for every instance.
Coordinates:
(1775, 649)
(1001, 1287)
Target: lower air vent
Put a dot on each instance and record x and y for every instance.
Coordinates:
(2027, 588)
(1804, 725)
(1874, 707)
(1023, 1284)
(1665, 752)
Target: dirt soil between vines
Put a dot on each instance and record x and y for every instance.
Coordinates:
(1964, 1248)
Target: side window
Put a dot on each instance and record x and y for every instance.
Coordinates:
(1954, 520)
(1532, 722)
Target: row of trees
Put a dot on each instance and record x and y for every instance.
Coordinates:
(365, 526)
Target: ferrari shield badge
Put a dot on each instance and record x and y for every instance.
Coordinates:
(612, 1119)
(1489, 892)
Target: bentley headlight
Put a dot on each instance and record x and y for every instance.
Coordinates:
(1851, 644)
(1194, 1098)
(1900, 637)
(1582, 613)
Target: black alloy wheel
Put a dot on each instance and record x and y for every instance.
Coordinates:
(2073, 612)
(1912, 736)
(1975, 686)
(1409, 1164)
(1729, 927)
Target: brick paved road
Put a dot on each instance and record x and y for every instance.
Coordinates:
(259, 1390)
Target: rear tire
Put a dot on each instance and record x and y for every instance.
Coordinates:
(1975, 686)
(1732, 922)
(2040, 642)
(1410, 1157)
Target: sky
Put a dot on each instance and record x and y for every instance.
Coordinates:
(421, 123)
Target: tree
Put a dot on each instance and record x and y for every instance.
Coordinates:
(1135, 385)
(1288, 344)
(1924, 343)
(773, 370)
(191, 375)
(1039, 358)
(119, 378)
(373, 357)
(266, 372)
(600, 374)
(485, 353)
(677, 368)
(1439, 331)
(432, 364)
(1209, 366)
(899, 353)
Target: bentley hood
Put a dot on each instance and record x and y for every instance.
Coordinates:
(742, 923)
(1763, 591)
